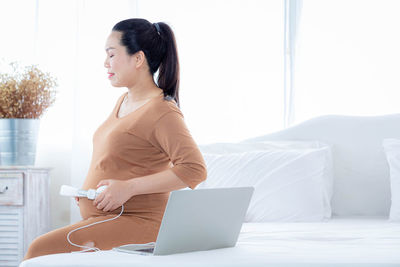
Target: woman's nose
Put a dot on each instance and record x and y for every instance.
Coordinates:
(106, 65)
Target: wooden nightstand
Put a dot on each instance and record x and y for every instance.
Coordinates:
(24, 210)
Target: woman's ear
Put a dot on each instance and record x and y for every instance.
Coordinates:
(140, 59)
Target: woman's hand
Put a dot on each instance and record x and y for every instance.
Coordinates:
(116, 194)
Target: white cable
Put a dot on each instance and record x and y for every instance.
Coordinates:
(90, 248)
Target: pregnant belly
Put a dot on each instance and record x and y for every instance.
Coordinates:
(87, 209)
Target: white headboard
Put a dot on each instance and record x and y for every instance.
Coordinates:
(361, 174)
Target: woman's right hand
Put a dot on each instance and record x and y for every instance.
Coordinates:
(77, 200)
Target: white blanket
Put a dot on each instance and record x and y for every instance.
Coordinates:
(337, 242)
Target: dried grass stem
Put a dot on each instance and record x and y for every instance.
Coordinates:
(26, 94)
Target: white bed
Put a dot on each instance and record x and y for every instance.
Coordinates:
(358, 234)
(369, 241)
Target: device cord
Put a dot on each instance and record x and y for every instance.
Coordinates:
(82, 227)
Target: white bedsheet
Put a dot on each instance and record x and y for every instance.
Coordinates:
(337, 242)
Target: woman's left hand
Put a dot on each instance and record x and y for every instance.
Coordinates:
(116, 194)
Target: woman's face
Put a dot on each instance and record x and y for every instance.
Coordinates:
(121, 67)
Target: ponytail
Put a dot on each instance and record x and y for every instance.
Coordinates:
(168, 73)
(157, 41)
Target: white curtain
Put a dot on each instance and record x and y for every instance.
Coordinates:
(292, 24)
(347, 58)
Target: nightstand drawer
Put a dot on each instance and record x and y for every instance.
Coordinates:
(11, 189)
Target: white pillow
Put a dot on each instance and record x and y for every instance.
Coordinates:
(392, 150)
(223, 148)
(290, 184)
(226, 148)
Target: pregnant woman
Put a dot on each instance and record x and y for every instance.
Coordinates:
(141, 152)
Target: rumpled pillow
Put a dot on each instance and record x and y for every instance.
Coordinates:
(292, 180)
(392, 151)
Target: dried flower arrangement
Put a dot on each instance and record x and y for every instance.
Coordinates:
(26, 94)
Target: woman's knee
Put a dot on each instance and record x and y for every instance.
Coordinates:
(49, 243)
(36, 248)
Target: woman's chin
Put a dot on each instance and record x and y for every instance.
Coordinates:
(115, 84)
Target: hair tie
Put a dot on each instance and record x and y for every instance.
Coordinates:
(157, 27)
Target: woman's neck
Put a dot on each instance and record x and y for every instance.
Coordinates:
(142, 91)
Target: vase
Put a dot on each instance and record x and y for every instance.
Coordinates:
(18, 138)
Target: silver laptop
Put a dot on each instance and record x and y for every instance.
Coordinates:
(200, 219)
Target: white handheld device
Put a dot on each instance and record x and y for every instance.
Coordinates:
(70, 191)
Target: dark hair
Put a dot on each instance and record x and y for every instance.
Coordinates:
(159, 47)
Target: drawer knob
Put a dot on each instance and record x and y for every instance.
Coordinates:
(3, 189)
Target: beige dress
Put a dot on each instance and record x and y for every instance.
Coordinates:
(150, 139)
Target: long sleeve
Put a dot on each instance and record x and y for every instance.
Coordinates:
(171, 135)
